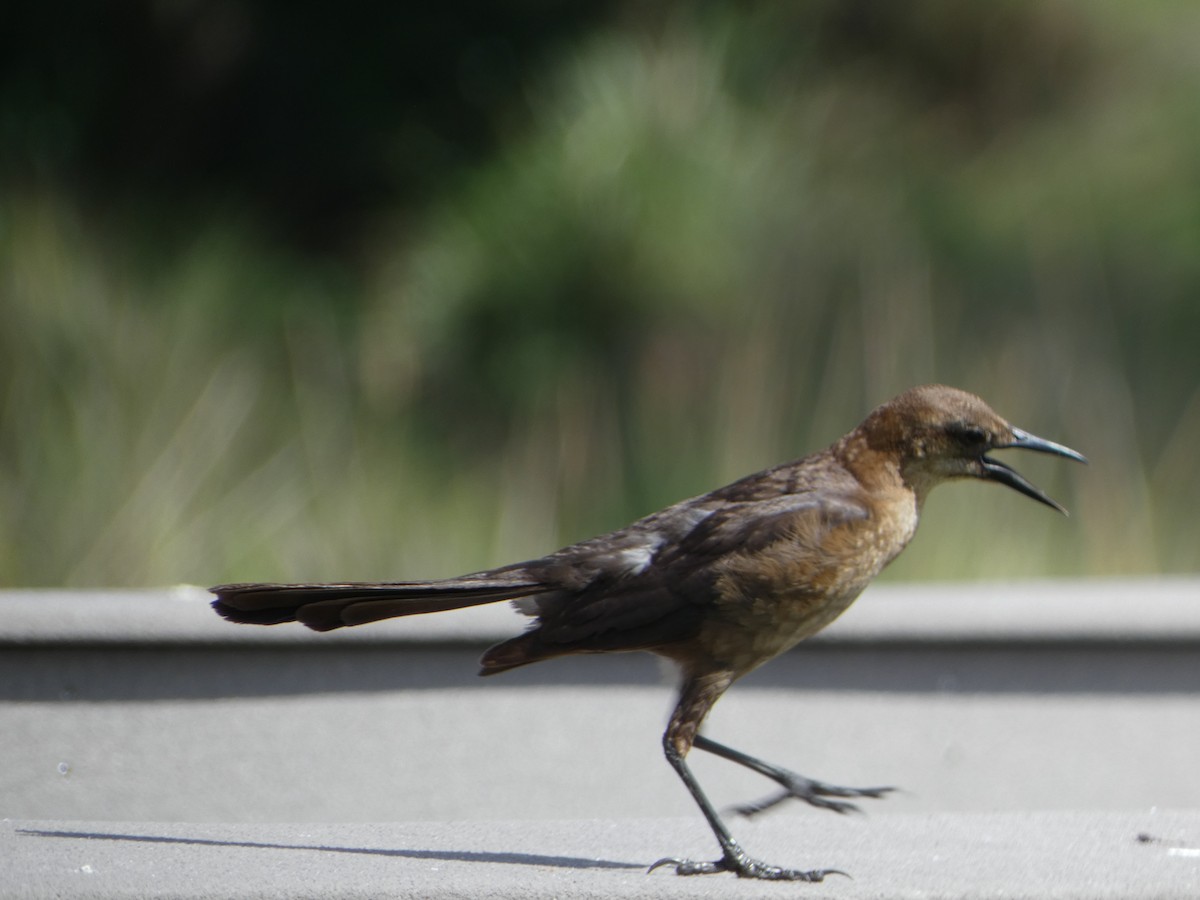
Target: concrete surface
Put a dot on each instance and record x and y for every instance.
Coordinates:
(1122, 608)
(123, 714)
(582, 751)
(144, 705)
(953, 856)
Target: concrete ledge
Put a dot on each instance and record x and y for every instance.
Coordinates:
(1124, 856)
(144, 706)
(126, 713)
(1125, 609)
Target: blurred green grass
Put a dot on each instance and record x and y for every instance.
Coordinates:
(713, 249)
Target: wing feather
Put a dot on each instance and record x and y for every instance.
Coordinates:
(620, 609)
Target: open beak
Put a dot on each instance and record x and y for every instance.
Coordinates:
(998, 471)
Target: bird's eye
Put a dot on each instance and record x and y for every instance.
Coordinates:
(969, 434)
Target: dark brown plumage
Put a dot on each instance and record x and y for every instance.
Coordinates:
(719, 583)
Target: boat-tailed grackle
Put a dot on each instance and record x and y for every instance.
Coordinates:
(719, 584)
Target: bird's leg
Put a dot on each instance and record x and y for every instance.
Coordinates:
(733, 857)
(697, 698)
(811, 791)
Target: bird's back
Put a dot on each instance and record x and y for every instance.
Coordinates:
(727, 579)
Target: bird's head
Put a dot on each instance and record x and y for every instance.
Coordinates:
(939, 433)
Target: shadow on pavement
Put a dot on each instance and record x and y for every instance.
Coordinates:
(520, 859)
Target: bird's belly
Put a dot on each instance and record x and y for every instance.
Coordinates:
(745, 637)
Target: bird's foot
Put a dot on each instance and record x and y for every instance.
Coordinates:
(813, 792)
(744, 867)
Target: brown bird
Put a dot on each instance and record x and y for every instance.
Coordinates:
(719, 584)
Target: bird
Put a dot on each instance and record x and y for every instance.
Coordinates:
(718, 584)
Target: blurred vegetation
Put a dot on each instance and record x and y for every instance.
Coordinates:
(285, 297)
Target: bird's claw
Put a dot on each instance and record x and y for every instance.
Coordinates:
(687, 866)
(814, 793)
(744, 867)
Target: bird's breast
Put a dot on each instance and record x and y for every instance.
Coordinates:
(770, 600)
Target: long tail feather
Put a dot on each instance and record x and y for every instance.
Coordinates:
(324, 607)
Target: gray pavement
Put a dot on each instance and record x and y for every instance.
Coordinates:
(497, 752)
(1153, 854)
(148, 749)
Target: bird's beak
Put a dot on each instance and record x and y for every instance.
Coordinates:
(998, 471)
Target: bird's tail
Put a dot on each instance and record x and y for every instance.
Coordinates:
(324, 607)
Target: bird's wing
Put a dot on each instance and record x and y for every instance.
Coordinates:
(652, 582)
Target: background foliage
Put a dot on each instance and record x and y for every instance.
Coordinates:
(291, 291)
